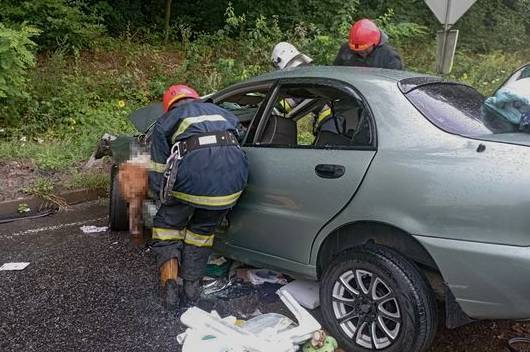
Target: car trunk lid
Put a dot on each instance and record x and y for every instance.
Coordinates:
(509, 138)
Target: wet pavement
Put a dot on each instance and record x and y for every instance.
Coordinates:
(87, 292)
(97, 292)
(81, 292)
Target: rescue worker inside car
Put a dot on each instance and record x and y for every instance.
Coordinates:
(199, 171)
(367, 47)
(285, 56)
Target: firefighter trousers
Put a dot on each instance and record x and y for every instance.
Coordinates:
(187, 233)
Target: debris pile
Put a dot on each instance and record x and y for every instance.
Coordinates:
(264, 333)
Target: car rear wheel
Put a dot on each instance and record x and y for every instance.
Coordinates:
(118, 208)
(373, 299)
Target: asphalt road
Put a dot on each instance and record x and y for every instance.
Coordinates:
(81, 292)
(87, 292)
(96, 292)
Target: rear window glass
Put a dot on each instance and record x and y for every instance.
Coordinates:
(454, 108)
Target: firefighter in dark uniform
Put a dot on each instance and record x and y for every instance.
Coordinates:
(367, 46)
(199, 171)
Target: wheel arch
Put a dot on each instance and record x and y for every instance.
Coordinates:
(361, 232)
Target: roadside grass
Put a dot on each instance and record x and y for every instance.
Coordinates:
(89, 179)
(485, 72)
(54, 155)
(76, 99)
(44, 189)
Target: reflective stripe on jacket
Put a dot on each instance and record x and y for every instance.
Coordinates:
(322, 122)
(211, 178)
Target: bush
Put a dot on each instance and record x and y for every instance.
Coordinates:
(16, 57)
(73, 99)
(495, 25)
(63, 26)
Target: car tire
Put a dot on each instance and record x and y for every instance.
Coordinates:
(380, 290)
(118, 207)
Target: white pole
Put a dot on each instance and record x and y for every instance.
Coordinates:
(446, 31)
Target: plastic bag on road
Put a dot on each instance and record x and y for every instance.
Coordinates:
(271, 322)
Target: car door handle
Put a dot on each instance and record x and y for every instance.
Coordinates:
(330, 170)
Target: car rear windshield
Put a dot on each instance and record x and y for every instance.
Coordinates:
(453, 107)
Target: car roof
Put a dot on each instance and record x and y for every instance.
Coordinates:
(353, 75)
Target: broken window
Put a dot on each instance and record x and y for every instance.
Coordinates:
(316, 116)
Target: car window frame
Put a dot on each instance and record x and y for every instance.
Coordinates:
(333, 83)
(269, 85)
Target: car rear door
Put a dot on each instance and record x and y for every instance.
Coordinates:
(295, 189)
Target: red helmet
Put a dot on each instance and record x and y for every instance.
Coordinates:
(363, 35)
(176, 93)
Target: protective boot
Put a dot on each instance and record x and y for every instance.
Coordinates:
(168, 284)
(192, 296)
(192, 290)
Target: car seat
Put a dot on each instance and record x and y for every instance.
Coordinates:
(347, 115)
(280, 131)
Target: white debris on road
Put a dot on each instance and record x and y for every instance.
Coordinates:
(48, 228)
(306, 292)
(93, 229)
(210, 332)
(13, 266)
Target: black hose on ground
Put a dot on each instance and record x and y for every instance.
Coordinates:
(39, 215)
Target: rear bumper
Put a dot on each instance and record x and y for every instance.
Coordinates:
(489, 281)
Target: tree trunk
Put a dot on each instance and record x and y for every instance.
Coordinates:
(168, 18)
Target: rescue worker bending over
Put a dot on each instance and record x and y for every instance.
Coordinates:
(284, 56)
(367, 46)
(199, 171)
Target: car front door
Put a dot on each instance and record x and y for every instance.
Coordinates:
(295, 186)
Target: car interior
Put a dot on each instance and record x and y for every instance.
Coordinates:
(298, 126)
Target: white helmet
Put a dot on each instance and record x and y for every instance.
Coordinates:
(286, 55)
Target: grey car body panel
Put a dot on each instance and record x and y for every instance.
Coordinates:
(426, 182)
(467, 206)
(489, 281)
(511, 138)
(260, 259)
(286, 203)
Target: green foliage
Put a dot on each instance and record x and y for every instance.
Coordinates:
(23, 208)
(400, 32)
(64, 26)
(495, 25)
(75, 96)
(50, 154)
(72, 103)
(44, 188)
(16, 58)
(40, 187)
(89, 180)
(485, 72)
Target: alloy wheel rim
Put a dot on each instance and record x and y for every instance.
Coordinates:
(366, 309)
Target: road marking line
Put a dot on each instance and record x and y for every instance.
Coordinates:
(49, 228)
(14, 266)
